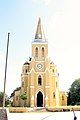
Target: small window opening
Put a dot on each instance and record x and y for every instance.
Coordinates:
(22, 83)
(62, 97)
(26, 70)
(42, 52)
(39, 80)
(36, 52)
(54, 95)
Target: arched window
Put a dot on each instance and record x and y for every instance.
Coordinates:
(54, 95)
(39, 80)
(36, 52)
(42, 51)
(62, 97)
(26, 70)
(53, 70)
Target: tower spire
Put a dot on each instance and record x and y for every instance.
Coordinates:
(39, 34)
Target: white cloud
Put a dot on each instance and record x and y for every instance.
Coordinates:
(46, 2)
(13, 76)
(34, 0)
(63, 30)
(1, 56)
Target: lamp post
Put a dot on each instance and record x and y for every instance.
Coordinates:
(5, 71)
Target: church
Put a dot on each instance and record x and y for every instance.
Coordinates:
(39, 77)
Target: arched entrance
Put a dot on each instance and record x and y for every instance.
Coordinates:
(39, 99)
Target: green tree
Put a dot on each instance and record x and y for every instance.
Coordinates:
(13, 94)
(17, 89)
(23, 96)
(6, 99)
(74, 93)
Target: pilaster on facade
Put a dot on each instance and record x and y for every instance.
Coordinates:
(47, 86)
(32, 101)
(57, 97)
(31, 86)
(46, 101)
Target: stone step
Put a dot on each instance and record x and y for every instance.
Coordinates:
(40, 109)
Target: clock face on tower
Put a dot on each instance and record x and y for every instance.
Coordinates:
(39, 65)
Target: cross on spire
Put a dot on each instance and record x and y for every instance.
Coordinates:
(39, 33)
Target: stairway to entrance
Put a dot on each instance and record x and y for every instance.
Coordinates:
(40, 109)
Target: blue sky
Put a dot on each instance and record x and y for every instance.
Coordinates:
(61, 23)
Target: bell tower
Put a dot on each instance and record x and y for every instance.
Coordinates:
(40, 64)
(39, 44)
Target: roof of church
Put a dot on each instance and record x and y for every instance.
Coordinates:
(26, 63)
(39, 31)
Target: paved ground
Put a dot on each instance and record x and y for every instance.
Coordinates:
(43, 116)
(3, 114)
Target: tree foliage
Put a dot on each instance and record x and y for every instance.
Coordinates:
(74, 93)
(17, 89)
(1, 99)
(23, 96)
